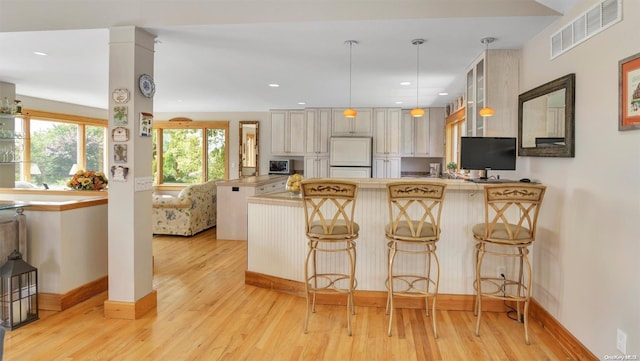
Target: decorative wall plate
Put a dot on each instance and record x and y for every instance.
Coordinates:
(120, 95)
(147, 86)
(120, 134)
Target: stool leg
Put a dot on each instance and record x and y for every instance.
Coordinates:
(353, 276)
(390, 307)
(479, 287)
(525, 252)
(475, 306)
(314, 272)
(435, 291)
(306, 286)
(350, 248)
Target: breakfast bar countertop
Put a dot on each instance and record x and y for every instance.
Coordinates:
(255, 181)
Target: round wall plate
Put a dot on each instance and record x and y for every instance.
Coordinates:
(147, 86)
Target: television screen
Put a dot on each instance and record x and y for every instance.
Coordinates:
(495, 153)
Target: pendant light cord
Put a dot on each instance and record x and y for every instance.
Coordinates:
(350, 66)
(417, 74)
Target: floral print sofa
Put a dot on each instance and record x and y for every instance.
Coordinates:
(192, 211)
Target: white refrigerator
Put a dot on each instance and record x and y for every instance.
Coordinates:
(350, 157)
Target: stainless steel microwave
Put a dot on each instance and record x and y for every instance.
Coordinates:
(281, 166)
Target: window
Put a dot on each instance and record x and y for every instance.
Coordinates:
(455, 128)
(188, 151)
(56, 142)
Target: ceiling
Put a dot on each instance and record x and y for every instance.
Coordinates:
(217, 56)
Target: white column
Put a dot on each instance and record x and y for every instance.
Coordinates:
(131, 291)
(7, 171)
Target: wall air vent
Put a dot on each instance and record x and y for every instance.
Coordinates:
(593, 21)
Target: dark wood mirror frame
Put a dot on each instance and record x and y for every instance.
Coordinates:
(242, 149)
(567, 149)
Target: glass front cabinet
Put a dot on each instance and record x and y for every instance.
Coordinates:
(492, 80)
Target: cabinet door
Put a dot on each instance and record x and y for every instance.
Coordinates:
(421, 135)
(393, 168)
(470, 107)
(323, 167)
(387, 131)
(318, 128)
(363, 123)
(393, 132)
(340, 126)
(310, 167)
(380, 140)
(379, 167)
(278, 126)
(360, 126)
(436, 132)
(407, 130)
(295, 134)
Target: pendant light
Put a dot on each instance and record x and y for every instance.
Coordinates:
(350, 112)
(487, 111)
(417, 111)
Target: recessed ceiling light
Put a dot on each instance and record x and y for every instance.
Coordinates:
(274, 85)
(398, 102)
(40, 53)
(301, 103)
(443, 93)
(405, 83)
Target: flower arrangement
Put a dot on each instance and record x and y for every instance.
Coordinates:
(88, 180)
(293, 183)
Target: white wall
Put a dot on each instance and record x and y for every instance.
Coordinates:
(587, 250)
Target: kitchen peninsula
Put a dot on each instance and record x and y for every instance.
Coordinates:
(231, 198)
(277, 245)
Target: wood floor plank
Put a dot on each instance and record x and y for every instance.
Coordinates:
(206, 312)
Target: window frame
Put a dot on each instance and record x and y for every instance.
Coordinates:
(79, 120)
(455, 127)
(186, 123)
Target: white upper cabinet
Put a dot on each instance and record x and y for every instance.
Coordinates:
(424, 136)
(415, 134)
(287, 132)
(436, 132)
(386, 140)
(360, 126)
(492, 80)
(318, 129)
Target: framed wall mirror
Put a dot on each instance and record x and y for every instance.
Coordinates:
(249, 155)
(546, 124)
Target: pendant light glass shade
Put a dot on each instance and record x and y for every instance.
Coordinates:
(417, 112)
(350, 112)
(487, 111)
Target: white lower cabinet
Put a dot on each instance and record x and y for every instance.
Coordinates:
(386, 168)
(316, 167)
(231, 217)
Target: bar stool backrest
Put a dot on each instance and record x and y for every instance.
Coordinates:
(329, 208)
(414, 210)
(511, 212)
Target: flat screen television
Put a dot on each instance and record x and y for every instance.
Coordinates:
(488, 153)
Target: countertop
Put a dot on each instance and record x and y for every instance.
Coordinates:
(252, 181)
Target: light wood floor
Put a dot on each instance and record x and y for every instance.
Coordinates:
(206, 312)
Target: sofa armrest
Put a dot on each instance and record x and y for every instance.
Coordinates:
(170, 202)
